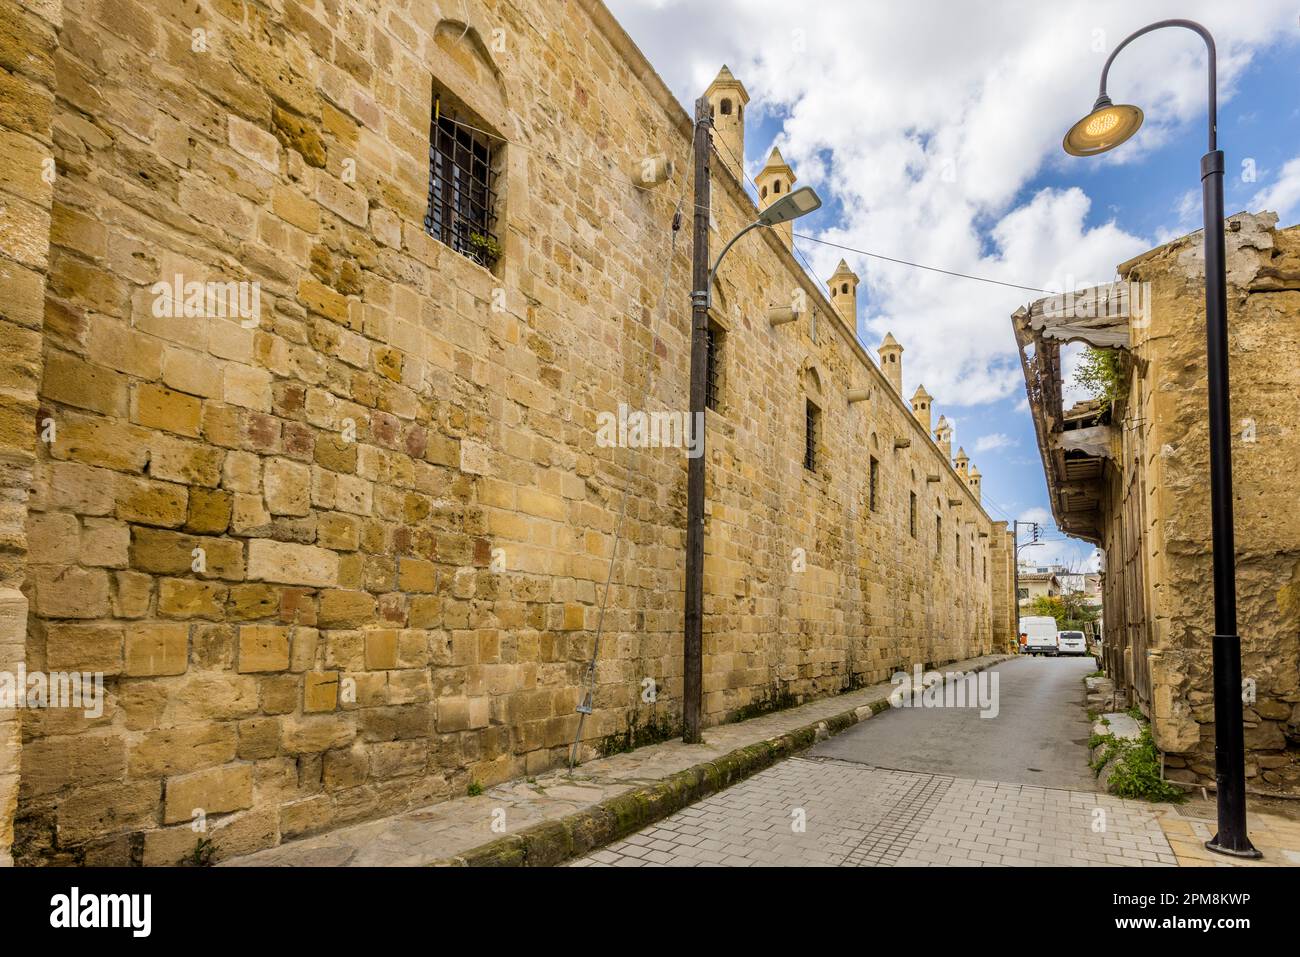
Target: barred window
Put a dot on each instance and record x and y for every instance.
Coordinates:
(911, 513)
(462, 185)
(873, 485)
(712, 367)
(812, 415)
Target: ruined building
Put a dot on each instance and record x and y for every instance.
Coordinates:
(310, 311)
(1131, 474)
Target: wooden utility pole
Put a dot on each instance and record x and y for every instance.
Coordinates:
(693, 632)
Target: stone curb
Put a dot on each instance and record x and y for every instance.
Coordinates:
(553, 842)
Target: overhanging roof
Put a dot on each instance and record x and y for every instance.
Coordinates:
(1074, 444)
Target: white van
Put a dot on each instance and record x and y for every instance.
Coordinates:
(1071, 643)
(1038, 635)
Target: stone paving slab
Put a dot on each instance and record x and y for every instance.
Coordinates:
(823, 812)
(445, 832)
(1119, 724)
(1276, 837)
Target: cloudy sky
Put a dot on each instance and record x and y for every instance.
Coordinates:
(932, 130)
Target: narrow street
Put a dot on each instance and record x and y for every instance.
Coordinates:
(1039, 737)
(925, 786)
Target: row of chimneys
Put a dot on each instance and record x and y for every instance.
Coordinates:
(727, 98)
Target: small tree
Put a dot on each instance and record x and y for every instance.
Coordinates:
(1069, 610)
(1099, 374)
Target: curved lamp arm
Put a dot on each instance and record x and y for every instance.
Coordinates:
(708, 289)
(1209, 45)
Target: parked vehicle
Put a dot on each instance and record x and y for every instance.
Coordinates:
(1038, 634)
(1071, 643)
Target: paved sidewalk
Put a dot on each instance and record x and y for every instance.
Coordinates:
(439, 832)
(826, 812)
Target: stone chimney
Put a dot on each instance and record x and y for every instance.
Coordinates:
(921, 407)
(973, 480)
(774, 181)
(727, 98)
(961, 462)
(891, 362)
(943, 436)
(843, 285)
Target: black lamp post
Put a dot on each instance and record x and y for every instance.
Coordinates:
(1106, 127)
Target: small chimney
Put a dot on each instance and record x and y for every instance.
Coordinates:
(774, 180)
(727, 99)
(921, 407)
(891, 361)
(843, 285)
(943, 437)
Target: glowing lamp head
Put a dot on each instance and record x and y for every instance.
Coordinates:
(1105, 128)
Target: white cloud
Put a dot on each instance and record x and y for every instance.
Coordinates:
(996, 440)
(926, 121)
(1282, 195)
(1036, 514)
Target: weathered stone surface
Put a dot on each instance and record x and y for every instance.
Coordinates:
(1154, 500)
(399, 448)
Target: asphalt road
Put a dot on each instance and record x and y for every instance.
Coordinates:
(1039, 735)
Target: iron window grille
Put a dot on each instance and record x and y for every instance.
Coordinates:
(462, 187)
(711, 368)
(810, 438)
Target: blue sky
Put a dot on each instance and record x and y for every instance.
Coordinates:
(932, 132)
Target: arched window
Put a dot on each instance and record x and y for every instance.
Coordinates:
(763, 192)
(776, 186)
(726, 107)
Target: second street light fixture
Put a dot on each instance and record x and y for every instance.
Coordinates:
(1106, 127)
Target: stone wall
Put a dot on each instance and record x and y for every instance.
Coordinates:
(347, 558)
(1157, 508)
(28, 39)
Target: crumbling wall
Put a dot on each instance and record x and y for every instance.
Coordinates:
(1167, 440)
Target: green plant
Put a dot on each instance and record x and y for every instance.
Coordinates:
(474, 789)
(486, 246)
(1100, 374)
(1135, 772)
(1096, 674)
(201, 856)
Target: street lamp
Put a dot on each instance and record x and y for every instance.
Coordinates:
(1106, 127)
(790, 206)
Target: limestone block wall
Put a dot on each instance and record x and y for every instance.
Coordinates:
(1158, 506)
(28, 40)
(347, 558)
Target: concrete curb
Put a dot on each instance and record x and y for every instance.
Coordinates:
(553, 842)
